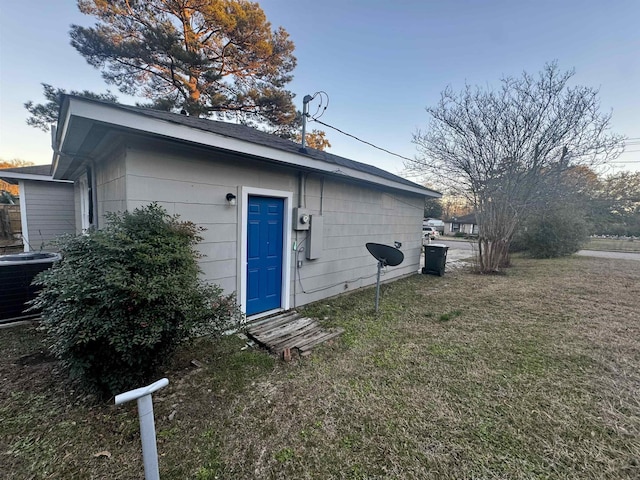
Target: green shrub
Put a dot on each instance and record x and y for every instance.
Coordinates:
(459, 234)
(124, 297)
(552, 234)
(518, 242)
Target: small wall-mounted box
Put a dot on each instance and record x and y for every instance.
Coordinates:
(315, 238)
(301, 219)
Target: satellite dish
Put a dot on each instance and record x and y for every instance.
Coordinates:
(385, 255)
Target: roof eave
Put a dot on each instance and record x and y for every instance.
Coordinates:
(77, 108)
(30, 176)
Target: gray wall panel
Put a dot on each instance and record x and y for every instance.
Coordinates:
(50, 212)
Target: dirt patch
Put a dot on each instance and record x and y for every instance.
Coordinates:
(36, 358)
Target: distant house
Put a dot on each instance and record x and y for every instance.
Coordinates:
(464, 224)
(284, 227)
(46, 205)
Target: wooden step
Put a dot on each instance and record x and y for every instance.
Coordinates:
(289, 330)
(294, 340)
(284, 329)
(306, 347)
(265, 323)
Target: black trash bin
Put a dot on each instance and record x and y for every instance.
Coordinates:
(17, 271)
(435, 258)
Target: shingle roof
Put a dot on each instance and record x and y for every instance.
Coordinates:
(470, 218)
(31, 170)
(44, 170)
(249, 134)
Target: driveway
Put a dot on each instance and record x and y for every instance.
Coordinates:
(464, 245)
(462, 249)
(619, 255)
(459, 251)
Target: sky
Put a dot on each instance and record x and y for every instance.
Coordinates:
(380, 62)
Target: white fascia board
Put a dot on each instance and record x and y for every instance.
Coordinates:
(31, 176)
(60, 136)
(133, 121)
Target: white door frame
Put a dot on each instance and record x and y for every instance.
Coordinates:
(286, 244)
(84, 188)
(24, 220)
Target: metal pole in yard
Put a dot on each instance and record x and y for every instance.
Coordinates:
(147, 424)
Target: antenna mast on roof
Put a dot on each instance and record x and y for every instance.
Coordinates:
(305, 114)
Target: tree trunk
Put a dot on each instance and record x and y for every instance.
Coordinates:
(497, 225)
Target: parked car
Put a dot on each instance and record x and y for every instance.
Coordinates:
(430, 232)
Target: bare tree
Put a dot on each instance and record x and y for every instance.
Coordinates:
(455, 205)
(496, 146)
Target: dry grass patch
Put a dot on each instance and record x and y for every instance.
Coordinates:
(613, 245)
(534, 374)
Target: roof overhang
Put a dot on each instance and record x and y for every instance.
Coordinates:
(83, 124)
(14, 177)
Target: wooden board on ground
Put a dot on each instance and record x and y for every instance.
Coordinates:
(286, 330)
(290, 331)
(264, 324)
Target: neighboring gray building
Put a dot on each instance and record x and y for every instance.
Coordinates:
(464, 224)
(283, 227)
(46, 205)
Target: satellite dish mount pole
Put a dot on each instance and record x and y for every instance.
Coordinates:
(385, 255)
(380, 265)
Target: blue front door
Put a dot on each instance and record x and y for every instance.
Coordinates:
(264, 254)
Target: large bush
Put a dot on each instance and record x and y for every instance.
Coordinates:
(553, 233)
(124, 297)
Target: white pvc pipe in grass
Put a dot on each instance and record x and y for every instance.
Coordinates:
(147, 424)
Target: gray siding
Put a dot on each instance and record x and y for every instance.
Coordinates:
(50, 212)
(76, 207)
(354, 215)
(110, 185)
(194, 184)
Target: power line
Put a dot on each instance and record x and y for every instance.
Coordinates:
(364, 141)
(411, 159)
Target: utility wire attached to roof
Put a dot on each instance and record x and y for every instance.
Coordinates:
(363, 141)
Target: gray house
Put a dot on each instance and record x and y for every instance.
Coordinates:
(46, 205)
(464, 224)
(283, 227)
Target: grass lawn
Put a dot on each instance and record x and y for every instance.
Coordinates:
(533, 374)
(613, 245)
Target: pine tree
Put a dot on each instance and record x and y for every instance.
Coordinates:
(202, 56)
(210, 58)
